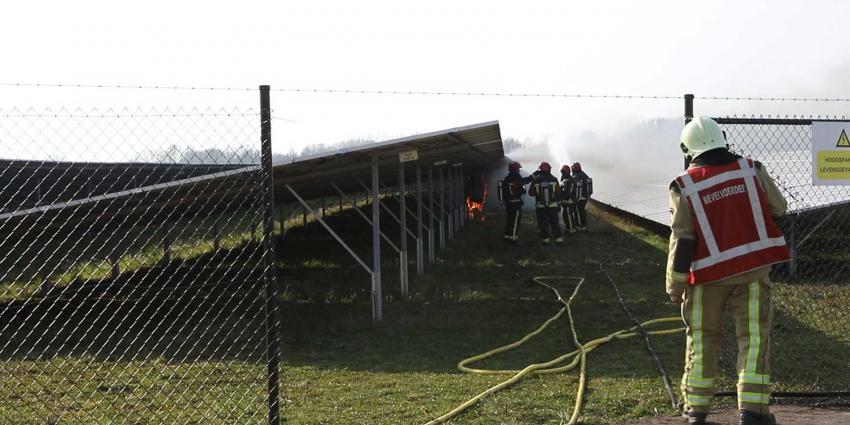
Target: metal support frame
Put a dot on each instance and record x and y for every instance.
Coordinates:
(316, 216)
(410, 210)
(387, 209)
(402, 214)
(269, 261)
(367, 219)
(374, 272)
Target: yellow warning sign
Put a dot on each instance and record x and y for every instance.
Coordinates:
(843, 142)
(830, 153)
(833, 165)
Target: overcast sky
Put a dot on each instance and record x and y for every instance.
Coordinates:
(720, 48)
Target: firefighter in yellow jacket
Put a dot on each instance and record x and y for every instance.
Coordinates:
(722, 246)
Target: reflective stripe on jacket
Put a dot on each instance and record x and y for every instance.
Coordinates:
(735, 233)
(568, 190)
(546, 190)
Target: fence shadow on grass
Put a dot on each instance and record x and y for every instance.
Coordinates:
(208, 307)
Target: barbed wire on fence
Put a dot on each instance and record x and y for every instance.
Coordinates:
(417, 92)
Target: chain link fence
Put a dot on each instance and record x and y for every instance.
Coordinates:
(811, 327)
(132, 267)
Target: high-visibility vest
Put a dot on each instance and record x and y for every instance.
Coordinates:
(735, 232)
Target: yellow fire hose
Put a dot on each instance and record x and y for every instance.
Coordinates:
(579, 355)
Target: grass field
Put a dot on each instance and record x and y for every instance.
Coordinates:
(338, 367)
(342, 369)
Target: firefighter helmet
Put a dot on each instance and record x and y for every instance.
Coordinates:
(544, 166)
(514, 167)
(576, 167)
(701, 135)
(565, 170)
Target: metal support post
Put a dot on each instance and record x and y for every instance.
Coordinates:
(450, 202)
(304, 216)
(442, 212)
(402, 214)
(340, 203)
(462, 197)
(455, 203)
(377, 314)
(420, 255)
(431, 250)
(269, 263)
(324, 212)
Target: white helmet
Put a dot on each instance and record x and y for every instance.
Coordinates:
(701, 135)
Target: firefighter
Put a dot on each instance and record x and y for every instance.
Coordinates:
(568, 201)
(584, 188)
(546, 190)
(716, 263)
(511, 191)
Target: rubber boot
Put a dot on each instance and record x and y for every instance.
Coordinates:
(752, 418)
(695, 418)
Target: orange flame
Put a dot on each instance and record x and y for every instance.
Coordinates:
(475, 210)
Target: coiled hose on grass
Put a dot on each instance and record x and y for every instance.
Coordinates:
(579, 356)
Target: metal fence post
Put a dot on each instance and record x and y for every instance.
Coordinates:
(270, 265)
(689, 115)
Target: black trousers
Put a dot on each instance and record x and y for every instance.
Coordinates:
(548, 222)
(582, 214)
(570, 216)
(513, 214)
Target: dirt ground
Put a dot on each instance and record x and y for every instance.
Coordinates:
(785, 415)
